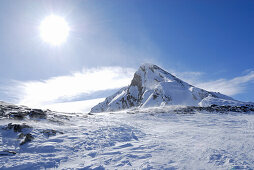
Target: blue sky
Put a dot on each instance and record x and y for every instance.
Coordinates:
(207, 43)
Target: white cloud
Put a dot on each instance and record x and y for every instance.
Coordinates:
(229, 87)
(52, 92)
(39, 93)
(77, 106)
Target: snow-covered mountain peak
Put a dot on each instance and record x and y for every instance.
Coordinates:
(149, 76)
(152, 86)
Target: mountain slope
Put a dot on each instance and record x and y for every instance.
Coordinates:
(152, 86)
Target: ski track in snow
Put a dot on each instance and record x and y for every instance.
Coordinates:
(135, 141)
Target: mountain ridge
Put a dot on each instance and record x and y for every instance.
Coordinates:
(152, 86)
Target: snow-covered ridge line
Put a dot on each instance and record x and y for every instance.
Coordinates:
(152, 86)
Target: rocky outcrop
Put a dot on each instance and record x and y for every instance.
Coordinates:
(17, 127)
(27, 138)
(215, 108)
(51, 132)
(21, 112)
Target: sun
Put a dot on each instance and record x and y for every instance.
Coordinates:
(54, 30)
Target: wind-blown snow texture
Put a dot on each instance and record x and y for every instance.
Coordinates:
(152, 86)
(148, 140)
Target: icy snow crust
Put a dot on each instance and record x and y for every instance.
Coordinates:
(150, 139)
(152, 86)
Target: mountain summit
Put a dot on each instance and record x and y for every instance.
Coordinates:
(152, 86)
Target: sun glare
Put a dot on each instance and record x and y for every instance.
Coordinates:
(54, 30)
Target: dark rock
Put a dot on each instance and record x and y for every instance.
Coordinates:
(51, 132)
(137, 81)
(37, 113)
(21, 136)
(155, 96)
(7, 153)
(17, 127)
(1, 112)
(216, 108)
(187, 110)
(17, 115)
(28, 138)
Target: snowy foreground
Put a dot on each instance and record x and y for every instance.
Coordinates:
(129, 140)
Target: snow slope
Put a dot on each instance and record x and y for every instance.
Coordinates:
(133, 141)
(152, 86)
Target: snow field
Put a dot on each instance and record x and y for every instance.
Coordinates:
(136, 141)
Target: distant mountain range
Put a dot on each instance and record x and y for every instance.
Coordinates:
(152, 86)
